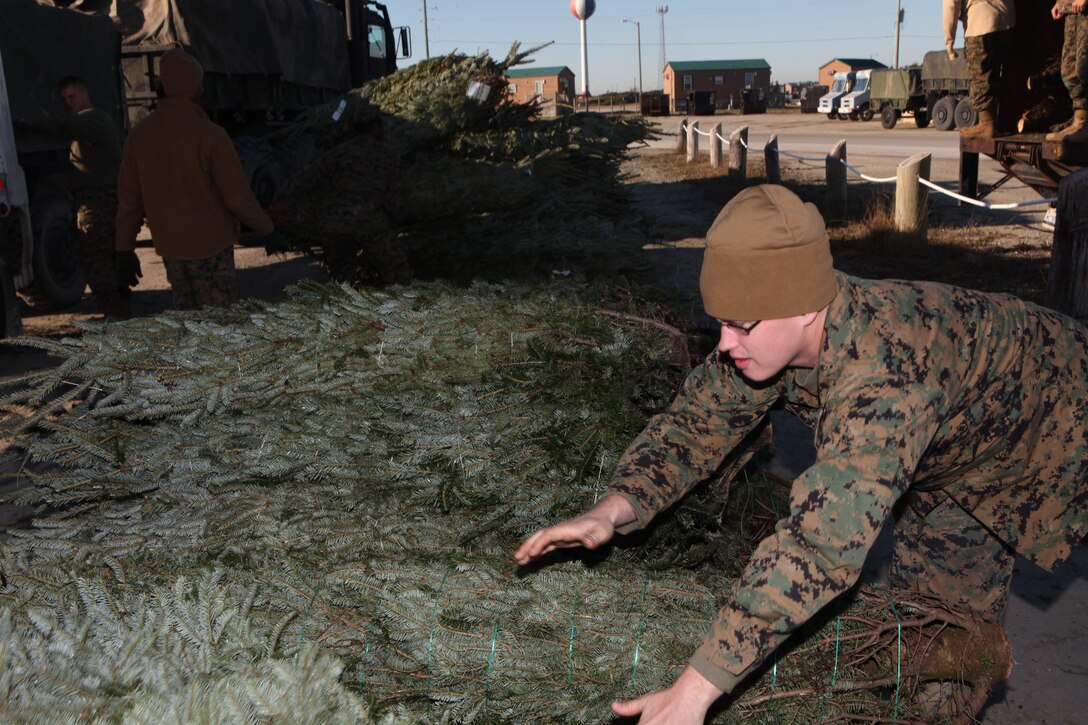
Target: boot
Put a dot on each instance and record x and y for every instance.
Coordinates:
(983, 129)
(1076, 131)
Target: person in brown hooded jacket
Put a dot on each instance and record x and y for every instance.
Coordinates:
(179, 170)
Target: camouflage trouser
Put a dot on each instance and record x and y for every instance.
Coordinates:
(942, 550)
(96, 221)
(195, 283)
(986, 56)
(1075, 59)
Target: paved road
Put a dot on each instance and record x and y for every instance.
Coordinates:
(813, 133)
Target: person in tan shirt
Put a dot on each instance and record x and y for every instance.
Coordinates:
(180, 171)
(987, 36)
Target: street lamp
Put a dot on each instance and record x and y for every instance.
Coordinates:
(638, 38)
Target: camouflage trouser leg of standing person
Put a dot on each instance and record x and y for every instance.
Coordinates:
(942, 550)
(195, 283)
(96, 220)
(1075, 60)
(986, 56)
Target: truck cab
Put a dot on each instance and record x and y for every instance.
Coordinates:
(829, 102)
(856, 102)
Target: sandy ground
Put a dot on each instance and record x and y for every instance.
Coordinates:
(1047, 619)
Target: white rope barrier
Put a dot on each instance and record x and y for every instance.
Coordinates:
(891, 179)
(983, 204)
(873, 179)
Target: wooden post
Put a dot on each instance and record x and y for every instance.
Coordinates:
(911, 198)
(716, 146)
(835, 168)
(682, 137)
(1067, 287)
(693, 141)
(770, 160)
(738, 154)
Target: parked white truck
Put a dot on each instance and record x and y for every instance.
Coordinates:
(855, 104)
(829, 102)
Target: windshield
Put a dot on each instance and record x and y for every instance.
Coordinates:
(839, 86)
(861, 85)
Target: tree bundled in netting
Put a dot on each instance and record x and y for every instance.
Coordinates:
(309, 507)
(434, 171)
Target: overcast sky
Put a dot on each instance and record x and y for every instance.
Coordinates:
(795, 36)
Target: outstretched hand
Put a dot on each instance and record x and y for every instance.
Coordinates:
(685, 703)
(592, 529)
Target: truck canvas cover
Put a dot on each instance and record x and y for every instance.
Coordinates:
(42, 44)
(298, 41)
(896, 83)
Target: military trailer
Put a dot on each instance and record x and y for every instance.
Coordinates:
(898, 91)
(810, 98)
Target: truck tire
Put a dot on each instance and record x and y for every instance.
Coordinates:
(867, 114)
(295, 153)
(262, 169)
(57, 274)
(888, 116)
(833, 115)
(944, 113)
(966, 115)
(854, 116)
(921, 118)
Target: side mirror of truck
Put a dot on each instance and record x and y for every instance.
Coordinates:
(404, 42)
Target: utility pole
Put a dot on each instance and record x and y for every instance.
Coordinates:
(661, 10)
(898, 24)
(426, 35)
(638, 39)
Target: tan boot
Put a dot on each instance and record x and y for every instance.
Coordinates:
(983, 129)
(1075, 129)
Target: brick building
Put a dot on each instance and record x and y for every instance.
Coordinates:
(553, 86)
(727, 79)
(844, 65)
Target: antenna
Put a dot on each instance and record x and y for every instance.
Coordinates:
(661, 10)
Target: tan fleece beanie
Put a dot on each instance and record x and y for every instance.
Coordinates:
(767, 256)
(181, 73)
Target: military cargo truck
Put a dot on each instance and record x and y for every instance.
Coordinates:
(266, 62)
(947, 87)
(896, 91)
(39, 45)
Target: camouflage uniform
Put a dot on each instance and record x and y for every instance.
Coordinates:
(974, 406)
(96, 217)
(986, 67)
(195, 283)
(1075, 55)
(94, 156)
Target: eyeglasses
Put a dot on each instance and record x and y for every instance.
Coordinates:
(741, 328)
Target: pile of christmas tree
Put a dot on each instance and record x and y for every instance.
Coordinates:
(306, 510)
(435, 172)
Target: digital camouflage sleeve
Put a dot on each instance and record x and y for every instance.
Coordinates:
(983, 398)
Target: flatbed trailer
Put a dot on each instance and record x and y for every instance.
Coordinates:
(1029, 157)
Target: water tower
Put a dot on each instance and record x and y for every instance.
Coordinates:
(582, 9)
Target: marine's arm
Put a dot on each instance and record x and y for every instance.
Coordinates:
(867, 452)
